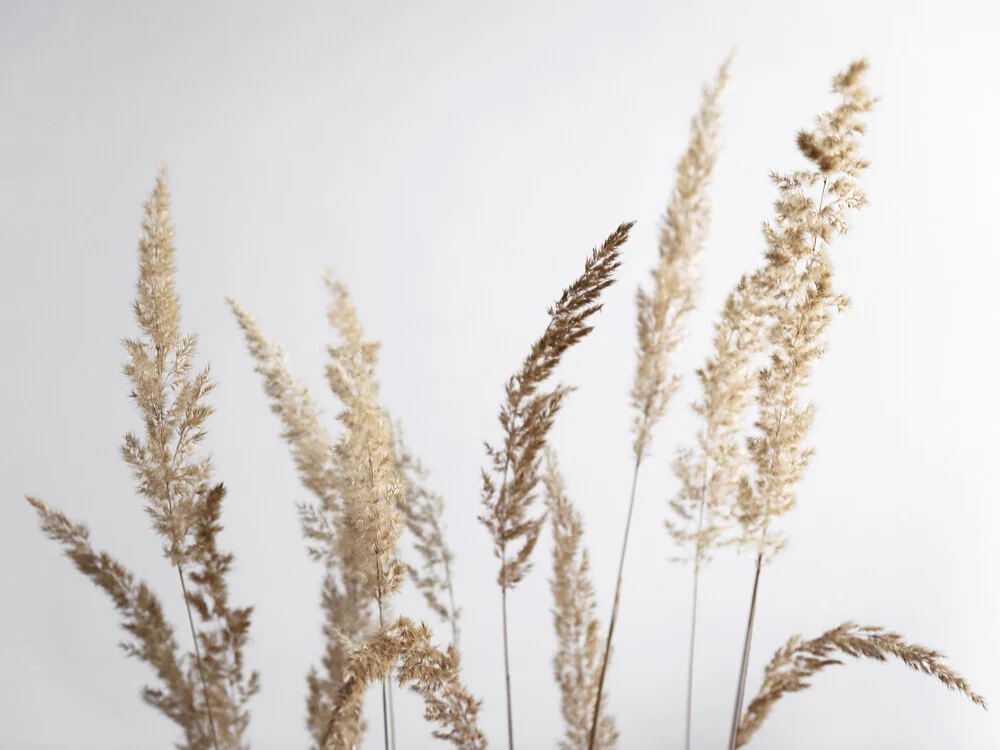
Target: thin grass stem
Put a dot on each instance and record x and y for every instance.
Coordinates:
(614, 609)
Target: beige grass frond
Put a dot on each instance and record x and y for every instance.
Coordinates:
(813, 206)
(225, 629)
(710, 471)
(151, 636)
(795, 663)
(345, 621)
(579, 639)
(431, 673)
(662, 312)
(345, 602)
(308, 440)
(373, 489)
(169, 397)
(527, 414)
(423, 514)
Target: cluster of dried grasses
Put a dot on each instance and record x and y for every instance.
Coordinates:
(368, 488)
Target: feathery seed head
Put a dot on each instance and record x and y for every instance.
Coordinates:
(527, 415)
(662, 313)
(794, 664)
(580, 645)
(796, 281)
(431, 673)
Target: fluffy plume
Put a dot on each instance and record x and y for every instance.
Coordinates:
(711, 470)
(373, 489)
(225, 630)
(185, 510)
(431, 673)
(365, 486)
(797, 280)
(794, 664)
(308, 440)
(169, 398)
(345, 622)
(343, 478)
(526, 417)
(796, 286)
(423, 512)
(580, 647)
(346, 602)
(662, 312)
(527, 414)
(152, 638)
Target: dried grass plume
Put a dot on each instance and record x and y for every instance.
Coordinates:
(579, 641)
(795, 663)
(431, 673)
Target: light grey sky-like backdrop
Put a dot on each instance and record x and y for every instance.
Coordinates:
(454, 162)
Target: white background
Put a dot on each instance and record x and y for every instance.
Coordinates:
(453, 163)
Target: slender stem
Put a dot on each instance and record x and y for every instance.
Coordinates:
(694, 619)
(694, 607)
(614, 610)
(506, 668)
(197, 655)
(741, 685)
(381, 626)
(392, 716)
(452, 614)
(503, 603)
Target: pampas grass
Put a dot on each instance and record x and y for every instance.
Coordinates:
(369, 491)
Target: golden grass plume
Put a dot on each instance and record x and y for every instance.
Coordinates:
(795, 663)
(579, 645)
(661, 314)
(431, 673)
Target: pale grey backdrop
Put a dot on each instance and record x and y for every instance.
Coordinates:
(453, 163)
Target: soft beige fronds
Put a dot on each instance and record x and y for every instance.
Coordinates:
(796, 287)
(307, 438)
(226, 630)
(431, 673)
(662, 312)
(580, 645)
(170, 399)
(797, 661)
(527, 415)
(423, 513)
(152, 638)
(373, 489)
(345, 623)
(346, 601)
(710, 471)
(797, 282)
